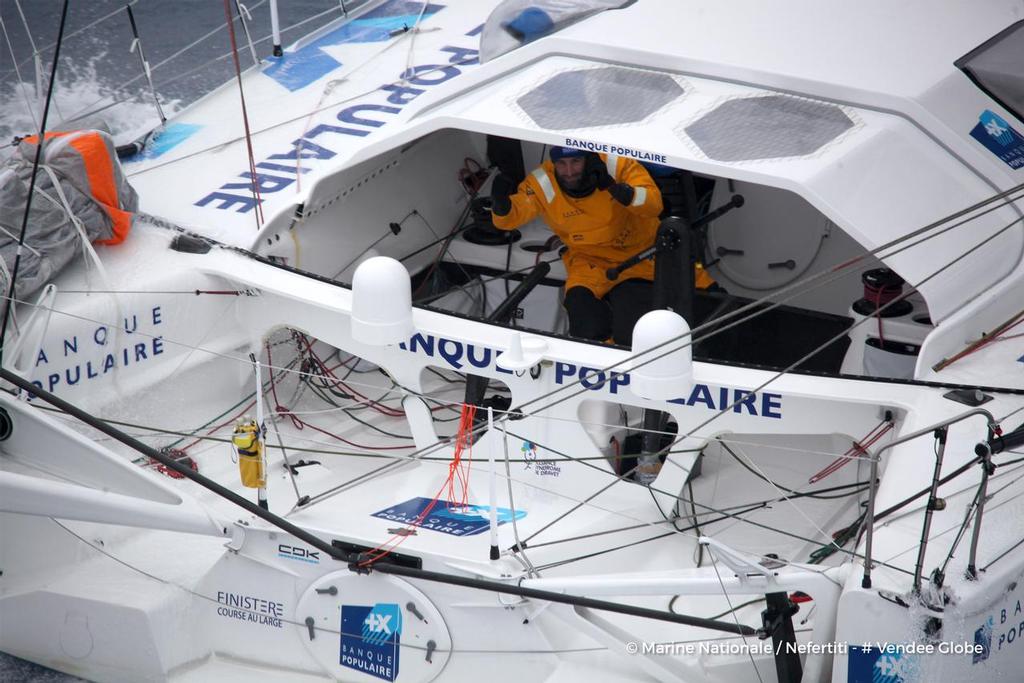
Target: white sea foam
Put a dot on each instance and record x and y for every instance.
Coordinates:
(79, 92)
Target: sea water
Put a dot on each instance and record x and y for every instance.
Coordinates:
(98, 82)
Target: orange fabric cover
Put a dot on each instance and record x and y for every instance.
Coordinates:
(99, 168)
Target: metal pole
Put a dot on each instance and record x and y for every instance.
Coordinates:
(495, 554)
(940, 436)
(9, 304)
(137, 43)
(275, 28)
(869, 521)
(37, 61)
(261, 432)
(986, 470)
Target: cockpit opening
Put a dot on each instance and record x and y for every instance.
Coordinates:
(459, 210)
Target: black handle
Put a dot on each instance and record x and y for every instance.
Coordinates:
(1006, 442)
(131, 18)
(734, 203)
(519, 293)
(614, 272)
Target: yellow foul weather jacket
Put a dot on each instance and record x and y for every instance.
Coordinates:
(599, 231)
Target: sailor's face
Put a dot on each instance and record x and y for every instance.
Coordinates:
(570, 171)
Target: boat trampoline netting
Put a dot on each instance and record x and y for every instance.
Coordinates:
(769, 127)
(598, 97)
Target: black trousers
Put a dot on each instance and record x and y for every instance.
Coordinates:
(613, 316)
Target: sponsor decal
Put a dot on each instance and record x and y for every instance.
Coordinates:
(163, 141)
(1000, 138)
(84, 357)
(605, 148)
(1002, 630)
(294, 552)
(541, 469)
(885, 664)
(371, 639)
(279, 170)
(295, 70)
(250, 608)
(461, 355)
(983, 639)
(446, 518)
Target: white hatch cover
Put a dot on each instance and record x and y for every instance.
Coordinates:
(372, 628)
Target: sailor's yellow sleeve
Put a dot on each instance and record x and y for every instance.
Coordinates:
(525, 207)
(646, 195)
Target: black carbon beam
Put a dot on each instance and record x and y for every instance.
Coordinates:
(382, 566)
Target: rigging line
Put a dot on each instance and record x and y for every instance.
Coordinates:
(253, 176)
(224, 143)
(916, 545)
(796, 289)
(193, 593)
(732, 611)
(680, 499)
(73, 34)
(88, 110)
(949, 477)
(479, 281)
(531, 570)
(40, 142)
(1011, 414)
(751, 465)
(412, 40)
(763, 477)
(21, 81)
(417, 455)
(632, 359)
(743, 509)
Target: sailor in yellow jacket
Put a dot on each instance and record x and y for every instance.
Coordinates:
(605, 209)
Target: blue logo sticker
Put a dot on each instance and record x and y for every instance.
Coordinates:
(1000, 138)
(455, 520)
(163, 141)
(983, 637)
(881, 665)
(296, 70)
(371, 639)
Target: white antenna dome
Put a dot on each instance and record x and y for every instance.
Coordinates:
(381, 302)
(666, 372)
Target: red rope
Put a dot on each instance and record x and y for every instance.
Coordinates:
(463, 443)
(859, 448)
(880, 296)
(245, 115)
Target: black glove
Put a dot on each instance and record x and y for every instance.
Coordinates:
(622, 193)
(502, 188)
(597, 171)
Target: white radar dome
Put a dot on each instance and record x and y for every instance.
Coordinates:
(665, 372)
(381, 302)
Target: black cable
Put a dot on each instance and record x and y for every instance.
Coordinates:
(803, 494)
(40, 142)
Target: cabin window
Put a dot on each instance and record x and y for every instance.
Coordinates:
(997, 67)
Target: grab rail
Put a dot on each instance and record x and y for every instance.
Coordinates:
(869, 518)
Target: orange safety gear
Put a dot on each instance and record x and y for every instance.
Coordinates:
(599, 231)
(103, 176)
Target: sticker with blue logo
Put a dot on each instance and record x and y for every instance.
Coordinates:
(983, 639)
(1000, 138)
(296, 70)
(885, 664)
(445, 518)
(371, 639)
(163, 141)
